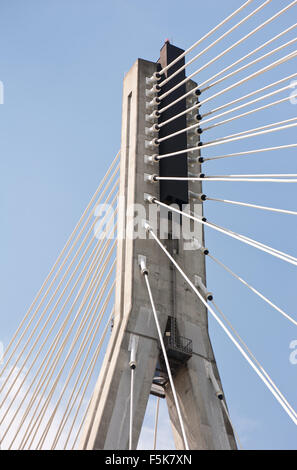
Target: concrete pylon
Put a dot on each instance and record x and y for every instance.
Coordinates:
(107, 421)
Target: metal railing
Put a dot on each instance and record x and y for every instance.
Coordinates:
(179, 343)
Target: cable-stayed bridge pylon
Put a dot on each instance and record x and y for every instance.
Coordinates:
(123, 313)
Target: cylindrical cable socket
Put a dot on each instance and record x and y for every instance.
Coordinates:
(199, 283)
(152, 144)
(212, 378)
(199, 130)
(133, 344)
(150, 178)
(157, 76)
(153, 91)
(153, 116)
(142, 264)
(151, 199)
(198, 92)
(150, 131)
(204, 250)
(197, 196)
(198, 117)
(153, 79)
(145, 224)
(156, 88)
(155, 128)
(156, 114)
(151, 158)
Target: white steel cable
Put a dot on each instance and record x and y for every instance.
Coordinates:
(61, 368)
(248, 241)
(255, 291)
(86, 381)
(261, 108)
(95, 250)
(241, 59)
(226, 179)
(96, 256)
(250, 152)
(78, 356)
(269, 105)
(237, 25)
(35, 343)
(255, 359)
(224, 406)
(220, 38)
(255, 206)
(190, 92)
(69, 409)
(248, 103)
(249, 64)
(267, 68)
(63, 345)
(166, 361)
(47, 357)
(42, 411)
(69, 252)
(248, 95)
(243, 238)
(156, 423)
(58, 286)
(256, 175)
(256, 129)
(52, 311)
(246, 136)
(131, 411)
(81, 424)
(59, 257)
(28, 406)
(258, 28)
(213, 30)
(257, 244)
(242, 133)
(89, 335)
(229, 334)
(96, 322)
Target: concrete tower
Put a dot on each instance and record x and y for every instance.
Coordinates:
(182, 316)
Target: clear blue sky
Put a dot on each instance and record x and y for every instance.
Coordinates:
(62, 63)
